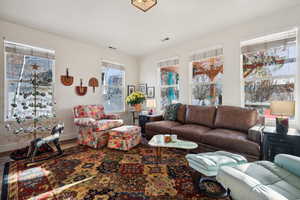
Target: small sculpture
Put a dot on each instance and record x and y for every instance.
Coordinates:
(67, 80)
(93, 82)
(81, 90)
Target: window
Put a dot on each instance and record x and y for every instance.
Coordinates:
(113, 85)
(269, 69)
(18, 76)
(207, 73)
(169, 82)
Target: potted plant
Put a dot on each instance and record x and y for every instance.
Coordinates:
(136, 99)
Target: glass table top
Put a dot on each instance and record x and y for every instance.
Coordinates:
(158, 141)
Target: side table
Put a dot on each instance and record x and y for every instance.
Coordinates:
(144, 119)
(275, 143)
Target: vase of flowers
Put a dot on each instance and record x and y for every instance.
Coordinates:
(136, 99)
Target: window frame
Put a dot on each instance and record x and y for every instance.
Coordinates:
(160, 86)
(7, 82)
(123, 87)
(270, 121)
(191, 83)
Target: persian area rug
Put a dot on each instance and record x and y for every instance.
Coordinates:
(21, 154)
(105, 174)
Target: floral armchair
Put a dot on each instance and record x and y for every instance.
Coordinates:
(93, 124)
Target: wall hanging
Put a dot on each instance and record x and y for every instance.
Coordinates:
(93, 82)
(66, 79)
(81, 90)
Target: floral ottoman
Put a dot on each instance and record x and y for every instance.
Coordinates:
(124, 137)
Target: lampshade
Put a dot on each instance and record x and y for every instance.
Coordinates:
(151, 103)
(283, 108)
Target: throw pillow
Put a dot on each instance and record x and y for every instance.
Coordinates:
(171, 112)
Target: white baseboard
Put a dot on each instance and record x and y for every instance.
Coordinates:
(19, 145)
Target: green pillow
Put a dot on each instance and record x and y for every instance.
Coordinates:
(171, 112)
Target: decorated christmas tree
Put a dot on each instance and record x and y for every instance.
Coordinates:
(33, 104)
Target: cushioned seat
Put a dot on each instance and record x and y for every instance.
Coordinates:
(161, 127)
(106, 124)
(231, 140)
(209, 163)
(190, 132)
(263, 179)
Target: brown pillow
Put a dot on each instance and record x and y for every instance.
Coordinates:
(235, 118)
(181, 113)
(202, 115)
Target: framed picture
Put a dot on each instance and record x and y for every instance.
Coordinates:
(142, 88)
(151, 92)
(130, 89)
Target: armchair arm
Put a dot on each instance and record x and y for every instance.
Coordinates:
(288, 162)
(84, 121)
(112, 116)
(255, 134)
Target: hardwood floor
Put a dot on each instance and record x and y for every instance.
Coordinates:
(4, 157)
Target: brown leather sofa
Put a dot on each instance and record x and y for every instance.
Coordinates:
(227, 128)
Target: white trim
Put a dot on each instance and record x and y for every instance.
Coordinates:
(270, 37)
(199, 51)
(112, 62)
(29, 46)
(167, 59)
(297, 82)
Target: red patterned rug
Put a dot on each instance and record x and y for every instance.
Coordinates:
(84, 173)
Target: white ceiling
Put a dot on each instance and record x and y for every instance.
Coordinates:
(118, 23)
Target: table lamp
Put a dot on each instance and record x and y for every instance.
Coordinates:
(283, 110)
(151, 103)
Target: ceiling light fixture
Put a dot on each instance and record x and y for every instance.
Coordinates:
(144, 5)
(112, 47)
(165, 39)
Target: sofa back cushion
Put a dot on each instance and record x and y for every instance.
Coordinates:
(89, 111)
(203, 115)
(235, 118)
(181, 113)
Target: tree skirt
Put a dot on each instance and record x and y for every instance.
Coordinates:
(22, 153)
(84, 173)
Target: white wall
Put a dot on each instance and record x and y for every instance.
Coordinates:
(83, 61)
(230, 40)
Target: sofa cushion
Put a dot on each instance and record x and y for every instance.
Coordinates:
(203, 115)
(190, 132)
(181, 113)
(103, 125)
(230, 140)
(171, 112)
(161, 127)
(235, 118)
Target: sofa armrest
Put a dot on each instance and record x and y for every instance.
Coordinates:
(84, 121)
(288, 162)
(113, 116)
(255, 134)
